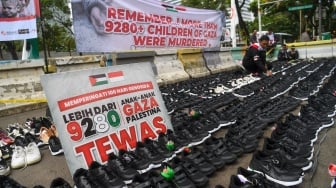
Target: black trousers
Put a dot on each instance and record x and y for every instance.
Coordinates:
(253, 68)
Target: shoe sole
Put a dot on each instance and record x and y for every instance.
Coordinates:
(285, 183)
(57, 152)
(142, 171)
(17, 166)
(307, 167)
(243, 96)
(199, 142)
(5, 172)
(33, 161)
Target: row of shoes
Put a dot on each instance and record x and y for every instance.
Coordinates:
(187, 93)
(190, 169)
(288, 153)
(314, 81)
(277, 107)
(283, 107)
(21, 157)
(243, 116)
(275, 148)
(247, 119)
(20, 152)
(289, 107)
(21, 144)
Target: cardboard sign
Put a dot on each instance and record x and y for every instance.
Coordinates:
(100, 111)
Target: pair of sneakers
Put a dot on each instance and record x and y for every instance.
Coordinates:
(25, 155)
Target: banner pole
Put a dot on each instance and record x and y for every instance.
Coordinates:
(24, 51)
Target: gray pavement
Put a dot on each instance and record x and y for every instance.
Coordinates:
(52, 167)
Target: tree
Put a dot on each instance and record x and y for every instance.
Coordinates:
(242, 24)
(280, 19)
(10, 46)
(206, 4)
(56, 24)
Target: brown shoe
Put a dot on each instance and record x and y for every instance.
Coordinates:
(45, 134)
(54, 130)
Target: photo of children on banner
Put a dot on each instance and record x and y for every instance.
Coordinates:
(96, 12)
(16, 8)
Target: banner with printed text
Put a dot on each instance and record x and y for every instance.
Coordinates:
(100, 111)
(18, 19)
(116, 25)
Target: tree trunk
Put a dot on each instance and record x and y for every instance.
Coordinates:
(11, 49)
(242, 24)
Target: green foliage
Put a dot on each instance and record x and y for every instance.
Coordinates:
(280, 19)
(56, 24)
(206, 4)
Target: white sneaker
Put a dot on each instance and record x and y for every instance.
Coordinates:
(18, 157)
(33, 154)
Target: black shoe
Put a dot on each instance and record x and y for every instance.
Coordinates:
(38, 186)
(55, 145)
(7, 182)
(319, 105)
(159, 181)
(6, 151)
(216, 147)
(208, 125)
(310, 125)
(212, 158)
(150, 154)
(131, 159)
(82, 180)
(59, 183)
(180, 178)
(275, 170)
(45, 122)
(296, 133)
(252, 180)
(180, 142)
(161, 149)
(32, 138)
(99, 175)
(247, 131)
(193, 133)
(198, 160)
(141, 181)
(299, 162)
(233, 147)
(169, 144)
(315, 116)
(292, 148)
(20, 141)
(247, 144)
(35, 124)
(4, 168)
(196, 176)
(125, 172)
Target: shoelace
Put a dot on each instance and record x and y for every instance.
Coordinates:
(21, 152)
